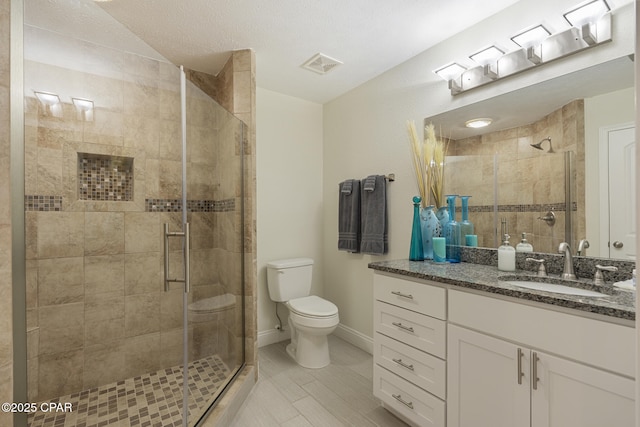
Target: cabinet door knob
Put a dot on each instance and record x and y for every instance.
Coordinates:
(618, 244)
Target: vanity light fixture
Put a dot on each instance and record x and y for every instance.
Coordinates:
(531, 37)
(487, 56)
(50, 103)
(591, 25)
(587, 12)
(478, 123)
(451, 71)
(84, 109)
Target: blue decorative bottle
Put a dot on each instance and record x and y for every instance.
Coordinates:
(416, 251)
(452, 231)
(430, 228)
(466, 226)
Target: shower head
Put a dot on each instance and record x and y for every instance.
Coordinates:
(538, 146)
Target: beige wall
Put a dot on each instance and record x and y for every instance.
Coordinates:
(6, 310)
(364, 133)
(289, 171)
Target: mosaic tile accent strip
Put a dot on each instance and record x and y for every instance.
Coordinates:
(42, 203)
(175, 205)
(150, 400)
(558, 207)
(107, 178)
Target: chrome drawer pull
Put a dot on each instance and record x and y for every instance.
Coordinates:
(401, 326)
(401, 400)
(400, 294)
(404, 365)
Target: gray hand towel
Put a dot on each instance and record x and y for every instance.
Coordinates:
(349, 216)
(374, 217)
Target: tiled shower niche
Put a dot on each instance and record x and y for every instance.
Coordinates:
(102, 177)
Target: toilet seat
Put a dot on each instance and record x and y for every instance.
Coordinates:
(313, 307)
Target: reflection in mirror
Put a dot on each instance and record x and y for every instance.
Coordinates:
(574, 112)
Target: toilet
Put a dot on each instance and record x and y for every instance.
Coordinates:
(311, 318)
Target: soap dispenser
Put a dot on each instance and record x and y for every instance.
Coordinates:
(524, 245)
(506, 252)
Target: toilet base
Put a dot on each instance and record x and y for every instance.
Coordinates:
(309, 351)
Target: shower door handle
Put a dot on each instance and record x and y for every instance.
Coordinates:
(185, 254)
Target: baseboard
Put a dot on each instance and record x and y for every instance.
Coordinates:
(354, 337)
(272, 336)
(350, 335)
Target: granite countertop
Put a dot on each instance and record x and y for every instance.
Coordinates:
(620, 304)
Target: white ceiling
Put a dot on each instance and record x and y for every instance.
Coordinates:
(368, 36)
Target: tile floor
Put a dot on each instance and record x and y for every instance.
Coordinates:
(289, 395)
(150, 400)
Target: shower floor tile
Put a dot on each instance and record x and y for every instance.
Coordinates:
(150, 400)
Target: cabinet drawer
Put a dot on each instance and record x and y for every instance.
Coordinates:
(409, 401)
(422, 332)
(420, 297)
(425, 371)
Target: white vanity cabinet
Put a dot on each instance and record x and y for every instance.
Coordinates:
(516, 365)
(410, 349)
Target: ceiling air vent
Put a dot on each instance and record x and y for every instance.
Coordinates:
(321, 64)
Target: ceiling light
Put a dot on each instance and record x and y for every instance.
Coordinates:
(587, 12)
(478, 123)
(451, 71)
(531, 37)
(487, 56)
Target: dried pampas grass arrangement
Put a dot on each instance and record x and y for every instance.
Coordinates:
(428, 163)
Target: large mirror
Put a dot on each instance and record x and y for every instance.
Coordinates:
(584, 125)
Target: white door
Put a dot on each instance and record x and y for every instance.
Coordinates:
(485, 387)
(571, 394)
(622, 193)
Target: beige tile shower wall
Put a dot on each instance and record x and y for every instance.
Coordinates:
(94, 272)
(234, 88)
(525, 175)
(6, 322)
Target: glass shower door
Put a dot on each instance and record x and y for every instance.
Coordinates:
(213, 207)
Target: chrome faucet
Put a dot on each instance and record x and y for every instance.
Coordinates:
(568, 272)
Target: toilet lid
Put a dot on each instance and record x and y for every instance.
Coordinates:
(313, 306)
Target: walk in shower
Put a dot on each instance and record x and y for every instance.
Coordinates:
(117, 145)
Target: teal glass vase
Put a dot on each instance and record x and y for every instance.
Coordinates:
(430, 228)
(416, 250)
(466, 226)
(452, 232)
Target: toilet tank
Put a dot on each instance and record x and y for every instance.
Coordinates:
(289, 278)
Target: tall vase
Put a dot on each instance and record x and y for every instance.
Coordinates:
(466, 226)
(430, 228)
(416, 250)
(452, 232)
(443, 217)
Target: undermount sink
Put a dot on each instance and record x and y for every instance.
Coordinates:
(547, 285)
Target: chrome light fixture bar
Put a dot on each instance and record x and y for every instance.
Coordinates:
(537, 47)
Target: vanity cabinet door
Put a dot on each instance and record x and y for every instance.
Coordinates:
(572, 394)
(488, 381)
